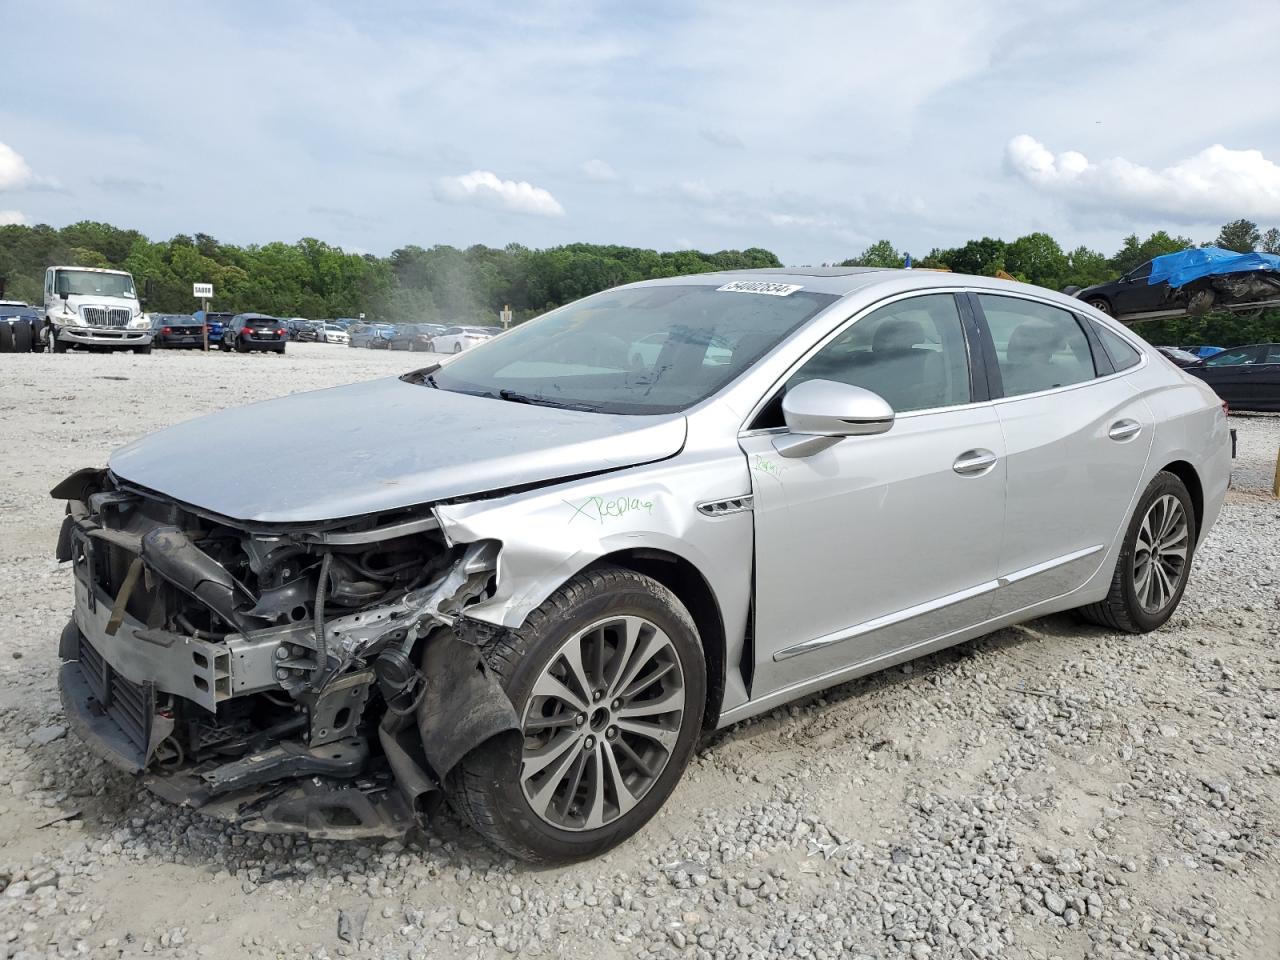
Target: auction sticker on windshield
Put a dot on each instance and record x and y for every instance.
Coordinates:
(760, 286)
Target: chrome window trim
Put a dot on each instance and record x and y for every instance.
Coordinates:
(839, 328)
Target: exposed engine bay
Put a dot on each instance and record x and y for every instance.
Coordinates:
(320, 679)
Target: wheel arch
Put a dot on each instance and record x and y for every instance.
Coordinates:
(1185, 472)
(687, 582)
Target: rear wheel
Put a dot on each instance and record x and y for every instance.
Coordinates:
(1151, 572)
(22, 337)
(457, 348)
(609, 680)
(146, 349)
(6, 337)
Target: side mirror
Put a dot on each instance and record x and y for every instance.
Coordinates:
(818, 413)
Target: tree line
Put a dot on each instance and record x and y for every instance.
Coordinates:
(1038, 258)
(313, 279)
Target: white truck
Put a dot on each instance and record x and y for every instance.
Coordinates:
(85, 306)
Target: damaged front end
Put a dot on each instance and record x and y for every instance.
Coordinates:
(293, 679)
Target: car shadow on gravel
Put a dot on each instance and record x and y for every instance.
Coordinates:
(920, 670)
(116, 801)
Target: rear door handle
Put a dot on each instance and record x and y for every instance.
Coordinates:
(1123, 430)
(973, 463)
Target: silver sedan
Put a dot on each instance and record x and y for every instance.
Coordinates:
(549, 565)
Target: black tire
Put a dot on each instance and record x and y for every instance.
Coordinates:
(280, 350)
(240, 347)
(1121, 609)
(457, 348)
(485, 786)
(224, 346)
(431, 346)
(59, 346)
(6, 337)
(1070, 290)
(22, 337)
(146, 349)
(1101, 304)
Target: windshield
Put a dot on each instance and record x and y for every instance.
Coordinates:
(88, 283)
(641, 350)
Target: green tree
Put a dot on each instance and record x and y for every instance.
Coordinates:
(879, 254)
(1239, 235)
(1134, 252)
(1270, 241)
(1037, 258)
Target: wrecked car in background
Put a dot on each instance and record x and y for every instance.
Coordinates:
(548, 566)
(1193, 282)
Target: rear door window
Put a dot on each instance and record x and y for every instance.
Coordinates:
(1038, 347)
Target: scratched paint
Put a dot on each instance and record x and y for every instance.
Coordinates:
(603, 509)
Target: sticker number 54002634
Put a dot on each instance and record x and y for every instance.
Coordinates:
(766, 287)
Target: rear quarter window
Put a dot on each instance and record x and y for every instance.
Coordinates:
(1120, 351)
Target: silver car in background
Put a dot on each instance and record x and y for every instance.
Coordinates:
(545, 568)
(455, 339)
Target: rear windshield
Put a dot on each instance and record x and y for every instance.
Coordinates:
(262, 322)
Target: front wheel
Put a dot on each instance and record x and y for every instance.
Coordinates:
(1100, 304)
(609, 680)
(1155, 561)
(146, 349)
(457, 348)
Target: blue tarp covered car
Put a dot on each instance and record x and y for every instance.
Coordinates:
(1179, 269)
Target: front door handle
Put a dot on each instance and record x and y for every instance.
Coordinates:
(1123, 430)
(973, 463)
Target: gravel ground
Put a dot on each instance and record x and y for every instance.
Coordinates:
(1051, 790)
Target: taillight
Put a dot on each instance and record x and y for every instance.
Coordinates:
(165, 330)
(280, 332)
(1226, 410)
(247, 331)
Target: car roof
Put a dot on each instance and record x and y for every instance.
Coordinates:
(843, 281)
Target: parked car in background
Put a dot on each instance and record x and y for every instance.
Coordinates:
(330, 333)
(1192, 281)
(415, 336)
(455, 339)
(1247, 378)
(216, 322)
(254, 331)
(304, 331)
(1203, 351)
(534, 577)
(19, 328)
(1182, 358)
(177, 330)
(372, 335)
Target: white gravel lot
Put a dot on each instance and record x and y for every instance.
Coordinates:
(1051, 790)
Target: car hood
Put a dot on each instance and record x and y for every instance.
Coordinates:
(381, 445)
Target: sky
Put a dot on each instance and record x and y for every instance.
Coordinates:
(810, 129)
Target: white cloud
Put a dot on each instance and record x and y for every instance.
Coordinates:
(11, 217)
(722, 138)
(14, 172)
(486, 188)
(1216, 183)
(599, 171)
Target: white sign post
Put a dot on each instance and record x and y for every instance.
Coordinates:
(504, 315)
(204, 292)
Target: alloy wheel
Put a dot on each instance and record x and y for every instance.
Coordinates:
(601, 722)
(1160, 553)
